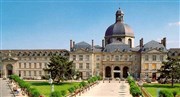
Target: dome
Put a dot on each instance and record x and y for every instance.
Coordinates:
(82, 45)
(119, 29)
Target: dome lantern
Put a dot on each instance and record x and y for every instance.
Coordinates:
(119, 15)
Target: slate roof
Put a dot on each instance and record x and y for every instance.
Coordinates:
(119, 28)
(117, 46)
(153, 45)
(82, 45)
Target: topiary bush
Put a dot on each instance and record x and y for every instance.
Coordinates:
(55, 94)
(165, 93)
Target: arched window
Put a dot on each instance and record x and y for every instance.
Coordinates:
(130, 42)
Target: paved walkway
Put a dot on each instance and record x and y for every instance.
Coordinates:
(4, 89)
(106, 89)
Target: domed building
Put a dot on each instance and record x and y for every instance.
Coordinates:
(118, 57)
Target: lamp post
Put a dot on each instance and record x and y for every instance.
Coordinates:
(50, 82)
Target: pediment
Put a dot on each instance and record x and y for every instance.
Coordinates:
(9, 59)
(154, 51)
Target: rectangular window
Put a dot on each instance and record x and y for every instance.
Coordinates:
(87, 74)
(74, 57)
(80, 65)
(34, 73)
(40, 73)
(146, 66)
(146, 57)
(40, 65)
(87, 65)
(108, 58)
(153, 66)
(116, 58)
(154, 57)
(24, 65)
(35, 65)
(80, 57)
(87, 57)
(24, 73)
(29, 65)
(97, 65)
(97, 58)
(29, 73)
(19, 65)
(161, 58)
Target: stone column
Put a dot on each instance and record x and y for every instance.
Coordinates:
(122, 71)
(112, 71)
(103, 72)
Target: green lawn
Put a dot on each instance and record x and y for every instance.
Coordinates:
(154, 88)
(45, 89)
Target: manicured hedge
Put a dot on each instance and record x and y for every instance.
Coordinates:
(24, 85)
(165, 93)
(56, 94)
(134, 89)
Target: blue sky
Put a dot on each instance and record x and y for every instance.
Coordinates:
(50, 24)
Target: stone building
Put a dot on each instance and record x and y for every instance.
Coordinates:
(27, 63)
(117, 57)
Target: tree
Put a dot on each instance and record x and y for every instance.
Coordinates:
(60, 68)
(170, 69)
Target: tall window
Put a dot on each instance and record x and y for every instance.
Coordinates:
(146, 66)
(108, 58)
(24, 73)
(130, 42)
(153, 66)
(19, 65)
(74, 57)
(35, 65)
(87, 74)
(97, 58)
(116, 58)
(29, 73)
(24, 65)
(154, 57)
(80, 65)
(29, 65)
(146, 57)
(97, 65)
(35, 73)
(161, 57)
(19, 73)
(40, 65)
(80, 57)
(87, 57)
(40, 73)
(87, 65)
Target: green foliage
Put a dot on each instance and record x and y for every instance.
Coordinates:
(134, 89)
(71, 89)
(83, 83)
(60, 68)
(34, 92)
(63, 92)
(165, 93)
(55, 94)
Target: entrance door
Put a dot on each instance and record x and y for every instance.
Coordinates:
(9, 69)
(154, 75)
(108, 71)
(117, 72)
(125, 71)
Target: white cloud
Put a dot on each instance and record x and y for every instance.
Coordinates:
(174, 24)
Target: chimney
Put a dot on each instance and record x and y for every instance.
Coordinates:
(103, 44)
(141, 43)
(71, 45)
(92, 45)
(164, 41)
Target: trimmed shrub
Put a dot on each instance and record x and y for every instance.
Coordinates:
(165, 93)
(55, 94)
(63, 93)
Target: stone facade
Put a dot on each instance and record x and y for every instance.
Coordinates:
(27, 63)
